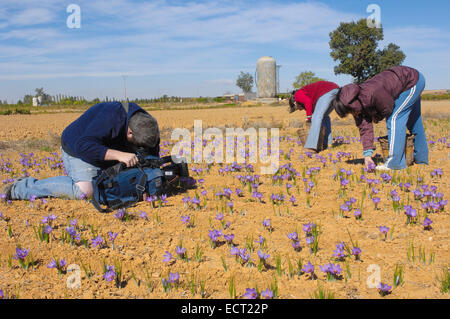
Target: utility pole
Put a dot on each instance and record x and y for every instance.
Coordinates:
(125, 85)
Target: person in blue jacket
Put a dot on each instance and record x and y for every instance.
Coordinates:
(102, 136)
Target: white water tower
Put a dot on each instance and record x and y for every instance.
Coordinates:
(266, 77)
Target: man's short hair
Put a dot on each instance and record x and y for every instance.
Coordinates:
(145, 129)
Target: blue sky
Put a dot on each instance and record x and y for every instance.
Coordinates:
(192, 48)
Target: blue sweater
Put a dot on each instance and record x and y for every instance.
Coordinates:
(102, 127)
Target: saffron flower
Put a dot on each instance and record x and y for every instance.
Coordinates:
(383, 289)
(308, 228)
(266, 224)
(250, 293)
(180, 251)
(376, 201)
(21, 254)
(310, 240)
(186, 220)
(384, 230)
(332, 271)
(167, 257)
(120, 214)
(308, 269)
(427, 223)
(97, 241)
(356, 252)
(262, 256)
(143, 215)
(260, 240)
(173, 278)
(112, 238)
(109, 274)
(229, 238)
(267, 294)
(293, 236)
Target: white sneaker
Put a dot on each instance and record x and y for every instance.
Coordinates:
(382, 168)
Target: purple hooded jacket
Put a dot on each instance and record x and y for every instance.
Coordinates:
(374, 99)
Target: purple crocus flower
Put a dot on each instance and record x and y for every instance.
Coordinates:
(229, 238)
(262, 256)
(73, 233)
(267, 294)
(376, 200)
(427, 223)
(331, 269)
(234, 251)
(97, 241)
(308, 268)
(173, 278)
(48, 229)
(245, 257)
(163, 199)
(112, 236)
(295, 245)
(167, 257)
(52, 264)
(21, 254)
(109, 274)
(344, 182)
(219, 217)
(384, 230)
(292, 199)
(383, 289)
(266, 223)
(62, 263)
(180, 251)
(250, 293)
(186, 219)
(310, 240)
(143, 215)
(214, 235)
(293, 236)
(356, 252)
(307, 228)
(358, 213)
(260, 240)
(339, 253)
(120, 214)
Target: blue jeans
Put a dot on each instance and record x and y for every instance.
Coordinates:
(58, 186)
(321, 117)
(407, 114)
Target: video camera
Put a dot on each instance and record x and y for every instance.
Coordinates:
(172, 166)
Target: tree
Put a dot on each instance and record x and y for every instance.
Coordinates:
(355, 44)
(305, 78)
(28, 99)
(245, 82)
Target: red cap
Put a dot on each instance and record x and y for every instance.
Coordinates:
(300, 96)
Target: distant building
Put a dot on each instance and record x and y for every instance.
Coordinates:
(37, 101)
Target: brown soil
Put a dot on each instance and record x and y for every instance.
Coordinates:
(141, 244)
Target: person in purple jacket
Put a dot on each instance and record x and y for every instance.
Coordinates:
(393, 95)
(102, 136)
